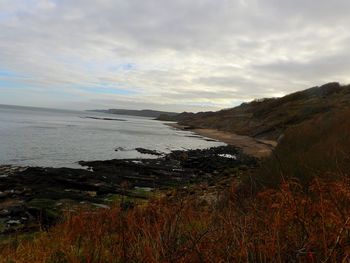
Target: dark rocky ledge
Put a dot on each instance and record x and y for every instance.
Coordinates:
(36, 196)
(103, 119)
(147, 151)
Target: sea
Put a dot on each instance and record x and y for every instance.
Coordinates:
(61, 138)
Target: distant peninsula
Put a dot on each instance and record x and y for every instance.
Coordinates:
(141, 113)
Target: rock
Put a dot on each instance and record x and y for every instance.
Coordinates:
(3, 195)
(120, 149)
(102, 206)
(17, 210)
(147, 151)
(39, 193)
(4, 212)
(13, 222)
(104, 119)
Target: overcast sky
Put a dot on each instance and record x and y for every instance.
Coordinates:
(168, 54)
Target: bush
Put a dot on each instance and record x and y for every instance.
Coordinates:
(313, 148)
(282, 225)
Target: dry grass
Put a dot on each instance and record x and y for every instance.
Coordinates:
(275, 225)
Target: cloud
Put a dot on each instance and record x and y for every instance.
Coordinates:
(190, 55)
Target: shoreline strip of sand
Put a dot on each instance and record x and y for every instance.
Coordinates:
(251, 146)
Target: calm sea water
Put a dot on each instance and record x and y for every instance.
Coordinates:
(57, 138)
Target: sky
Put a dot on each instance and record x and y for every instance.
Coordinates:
(178, 55)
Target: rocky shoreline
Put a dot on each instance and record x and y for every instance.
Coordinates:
(33, 198)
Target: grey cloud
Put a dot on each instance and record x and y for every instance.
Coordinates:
(225, 81)
(185, 52)
(321, 68)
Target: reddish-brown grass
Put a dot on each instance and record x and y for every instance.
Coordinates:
(275, 225)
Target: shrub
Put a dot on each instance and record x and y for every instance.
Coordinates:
(313, 148)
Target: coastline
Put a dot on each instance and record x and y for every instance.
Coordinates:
(36, 197)
(254, 147)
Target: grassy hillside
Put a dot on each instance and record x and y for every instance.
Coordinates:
(317, 147)
(268, 118)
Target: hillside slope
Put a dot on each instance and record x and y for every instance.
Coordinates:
(268, 118)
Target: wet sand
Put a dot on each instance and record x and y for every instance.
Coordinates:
(251, 146)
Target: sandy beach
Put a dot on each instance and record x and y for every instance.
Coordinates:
(251, 146)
